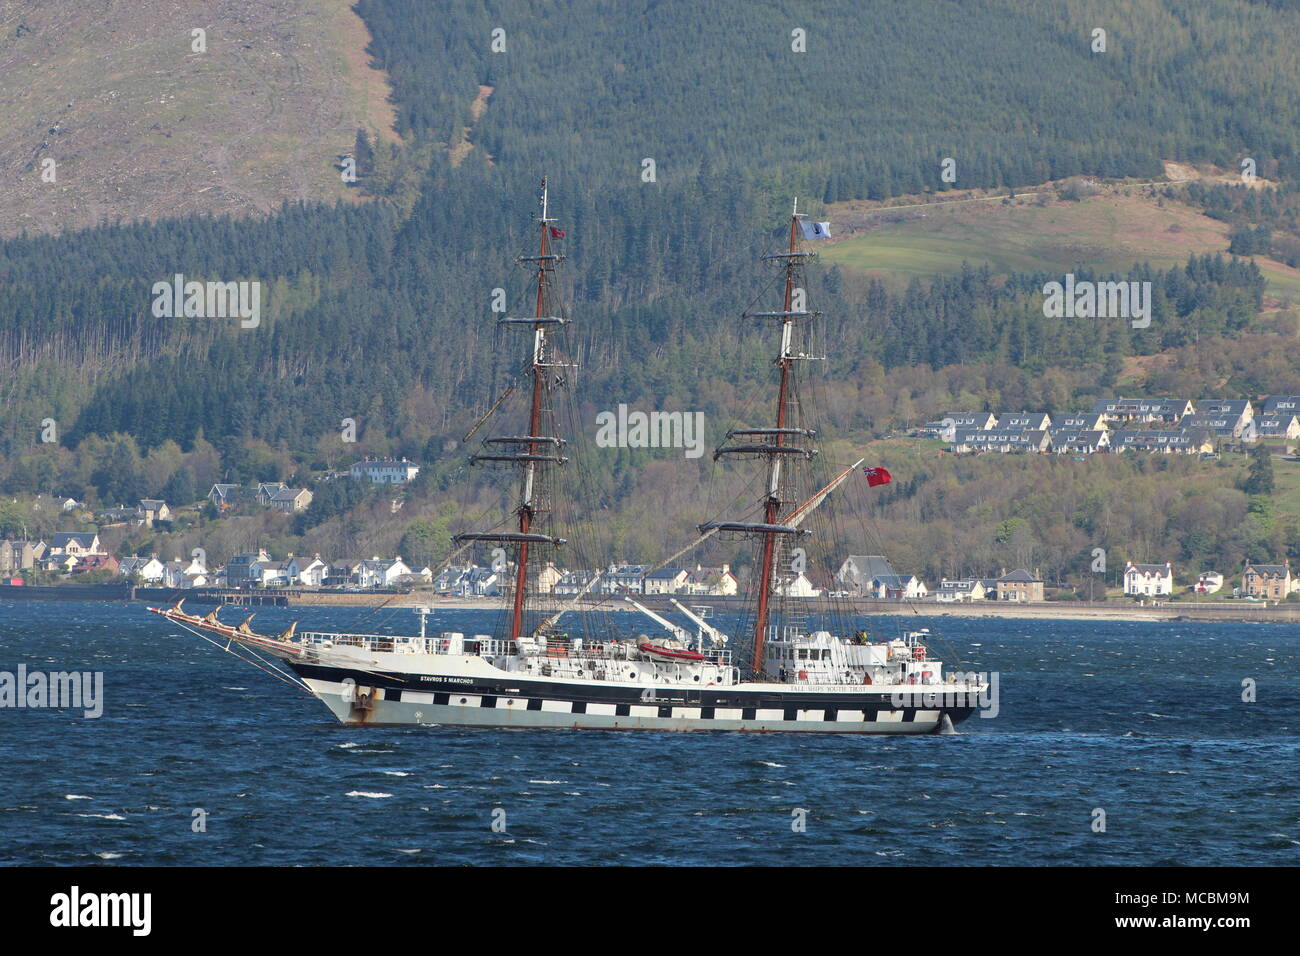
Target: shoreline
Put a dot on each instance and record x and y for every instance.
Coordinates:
(1172, 611)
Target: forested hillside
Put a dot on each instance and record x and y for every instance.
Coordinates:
(379, 310)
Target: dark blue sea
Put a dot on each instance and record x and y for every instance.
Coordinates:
(1143, 721)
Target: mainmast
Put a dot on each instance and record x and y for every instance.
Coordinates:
(538, 450)
(776, 443)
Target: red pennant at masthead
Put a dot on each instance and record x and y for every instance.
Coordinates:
(877, 476)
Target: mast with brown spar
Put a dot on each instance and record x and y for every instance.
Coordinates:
(774, 443)
(540, 450)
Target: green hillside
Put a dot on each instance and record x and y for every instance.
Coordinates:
(377, 307)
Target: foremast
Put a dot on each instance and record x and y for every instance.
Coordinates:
(541, 447)
(787, 439)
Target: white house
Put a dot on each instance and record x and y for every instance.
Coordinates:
(384, 471)
(270, 573)
(149, 569)
(1148, 580)
(952, 422)
(482, 582)
(1210, 582)
(899, 587)
(665, 581)
(450, 579)
(624, 579)
(309, 573)
(381, 572)
(963, 591)
(715, 581)
(185, 574)
(797, 586)
(575, 582)
(548, 577)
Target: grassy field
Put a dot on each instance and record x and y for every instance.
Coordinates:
(1108, 232)
(141, 125)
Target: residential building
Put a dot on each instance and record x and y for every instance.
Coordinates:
(385, 471)
(148, 569)
(225, 496)
(449, 580)
(859, 570)
(1002, 440)
(239, 569)
(1212, 425)
(266, 490)
(1148, 580)
(796, 586)
(1181, 442)
(1170, 411)
(898, 587)
(1079, 441)
(381, 572)
(547, 578)
(343, 572)
(1083, 421)
(1268, 581)
(308, 572)
(1238, 412)
(1209, 582)
(1025, 421)
(1020, 586)
(573, 583)
(115, 516)
(270, 573)
(484, 582)
(624, 579)
(75, 543)
(20, 555)
(290, 500)
(94, 562)
(952, 422)
(715, 581)
(185, 574)
(665, 581)
(1283, 426)
(963, 591)
(1281, 405)
(152, 509)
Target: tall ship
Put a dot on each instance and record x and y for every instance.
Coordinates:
(552, 663)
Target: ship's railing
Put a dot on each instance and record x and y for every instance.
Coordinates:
(565, 647)
(370, 642)
(556, 649)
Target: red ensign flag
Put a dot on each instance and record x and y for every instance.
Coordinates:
(557, 233)
(877, 476)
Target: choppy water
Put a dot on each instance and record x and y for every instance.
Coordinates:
(1144, 721)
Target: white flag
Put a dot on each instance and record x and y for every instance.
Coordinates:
(814, 230)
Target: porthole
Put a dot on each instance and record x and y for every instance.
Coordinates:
(462, 700)
(697, 677)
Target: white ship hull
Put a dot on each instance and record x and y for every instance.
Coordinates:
(386, 698)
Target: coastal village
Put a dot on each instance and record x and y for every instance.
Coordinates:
(1169, 426)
